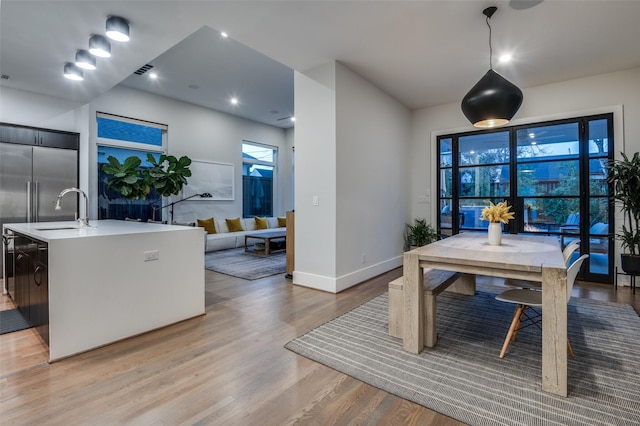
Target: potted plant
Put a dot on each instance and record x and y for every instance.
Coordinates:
(625, 176)
(420, 233)
(166, 176)
(496, 214)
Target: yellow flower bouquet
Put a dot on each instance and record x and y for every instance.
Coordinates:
(497, 213)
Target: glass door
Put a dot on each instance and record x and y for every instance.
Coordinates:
(552, 173)
(562, 188)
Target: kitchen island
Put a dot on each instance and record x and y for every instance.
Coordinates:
(115, 279)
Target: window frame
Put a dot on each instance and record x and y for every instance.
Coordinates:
(142, 148)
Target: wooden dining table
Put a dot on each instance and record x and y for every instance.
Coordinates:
(529, 257)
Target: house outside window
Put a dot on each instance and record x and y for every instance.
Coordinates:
(258, 170)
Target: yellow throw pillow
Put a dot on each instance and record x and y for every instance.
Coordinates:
(208, 224)
(282, 222)
(234, 225)
(261, 223)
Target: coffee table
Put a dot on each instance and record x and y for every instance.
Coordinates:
(266, 237)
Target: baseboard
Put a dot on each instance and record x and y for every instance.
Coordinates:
(317, 282)
(336, 285)
(356, 277)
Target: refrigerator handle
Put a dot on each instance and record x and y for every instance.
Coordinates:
(29, 211)
(36, 207)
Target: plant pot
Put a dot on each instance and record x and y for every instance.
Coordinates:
(494, 234)
(630, 263)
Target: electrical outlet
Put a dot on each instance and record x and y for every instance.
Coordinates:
(151, 255)
(364, 258)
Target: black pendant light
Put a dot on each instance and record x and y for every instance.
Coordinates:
(494, 100)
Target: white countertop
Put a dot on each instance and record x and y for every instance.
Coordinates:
(48, 231)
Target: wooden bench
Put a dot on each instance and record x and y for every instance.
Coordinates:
(435, 282)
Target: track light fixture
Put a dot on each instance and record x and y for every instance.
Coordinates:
(72, 72)
(117, 28)
(494, 100)
(85, 60)
(99, 46)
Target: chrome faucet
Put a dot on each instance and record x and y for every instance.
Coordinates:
(83, 221)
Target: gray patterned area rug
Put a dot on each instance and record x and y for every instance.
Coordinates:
(463, 378)
(237, 263)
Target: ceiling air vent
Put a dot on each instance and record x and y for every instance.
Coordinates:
(5, 77)
(144, 69)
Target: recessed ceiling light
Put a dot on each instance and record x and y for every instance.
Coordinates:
(85, 60)
(532, 135)
(153, 75)
(505, 58)
(223, 34)
(72, 72)
(293, 119)
(99, 46)
(117, 28)
(234, 101)
(534, 143)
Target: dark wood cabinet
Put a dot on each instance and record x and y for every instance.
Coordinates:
(18, 134)
(22, 277)
(39, 292)
(40, 137)
(32, 283)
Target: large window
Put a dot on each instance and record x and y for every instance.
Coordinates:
(123, 137)
(552, 173)
(258, 169)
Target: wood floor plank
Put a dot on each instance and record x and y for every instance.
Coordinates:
(227, 367)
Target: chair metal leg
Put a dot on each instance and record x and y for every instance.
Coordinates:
(514, 322)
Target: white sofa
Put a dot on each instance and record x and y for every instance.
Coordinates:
(223, 239)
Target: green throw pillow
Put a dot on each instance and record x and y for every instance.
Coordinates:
(208, 224)
(234, 225)
(261, 223)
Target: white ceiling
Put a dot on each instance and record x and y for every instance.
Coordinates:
(423, 53)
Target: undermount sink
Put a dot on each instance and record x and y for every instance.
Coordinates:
(57, 228)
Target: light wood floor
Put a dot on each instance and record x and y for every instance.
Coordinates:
(228, 367)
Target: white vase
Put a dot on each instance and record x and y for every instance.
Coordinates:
(495, 234)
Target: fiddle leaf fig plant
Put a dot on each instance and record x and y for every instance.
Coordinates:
(167, 175)
(127, 178)
(168, 179)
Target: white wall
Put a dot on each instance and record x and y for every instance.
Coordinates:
(351, 152)
(371, 197)
(315, 175)
(30, 109)
(617, 92)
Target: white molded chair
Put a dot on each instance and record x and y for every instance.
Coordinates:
(566, 254)
(527, 299)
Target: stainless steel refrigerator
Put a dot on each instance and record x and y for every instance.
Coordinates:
(31, 177)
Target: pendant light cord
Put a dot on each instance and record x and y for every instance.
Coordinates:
(490, 48)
